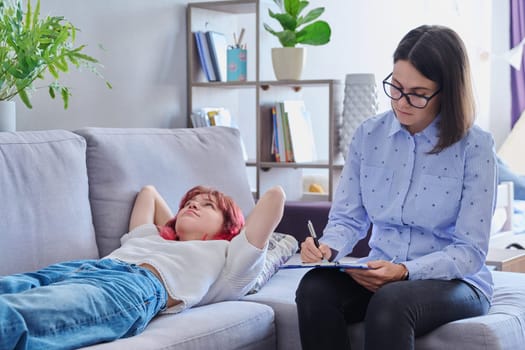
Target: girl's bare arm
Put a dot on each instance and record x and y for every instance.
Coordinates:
(149, 208)
(265, 217)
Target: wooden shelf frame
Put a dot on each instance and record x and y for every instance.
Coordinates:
(196, 85)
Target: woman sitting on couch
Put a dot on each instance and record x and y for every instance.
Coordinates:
(188, 261)
(425, 176)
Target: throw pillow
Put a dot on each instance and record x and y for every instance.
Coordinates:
(280, 248)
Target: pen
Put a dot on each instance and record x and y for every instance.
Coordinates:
(314, 236)
(312, 233)
(239, 41)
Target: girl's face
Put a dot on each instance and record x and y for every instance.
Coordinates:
(200, 218)
(407, 78)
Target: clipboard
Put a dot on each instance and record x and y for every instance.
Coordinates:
(333, 265)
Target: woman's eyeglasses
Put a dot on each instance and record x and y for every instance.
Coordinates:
(396, 93)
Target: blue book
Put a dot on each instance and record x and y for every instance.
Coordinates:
(204, 56)
(275, 139)
(218, 46)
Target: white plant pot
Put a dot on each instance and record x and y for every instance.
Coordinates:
(7, 116)
(288, 62)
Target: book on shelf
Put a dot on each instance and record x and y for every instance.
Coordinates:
(205, 55)
(217, 45)
(300, 131)
(292, 134)
(288, 150)
(280, 150)
(275, 139)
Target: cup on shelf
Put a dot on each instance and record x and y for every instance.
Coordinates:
(236, 58)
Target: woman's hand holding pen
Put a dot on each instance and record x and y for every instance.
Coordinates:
(310, 253)
(380, 273)
(311, 250)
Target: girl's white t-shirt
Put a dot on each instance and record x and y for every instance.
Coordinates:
(195, 272)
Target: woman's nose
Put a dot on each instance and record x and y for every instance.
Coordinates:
(193, 205)
(405, 101)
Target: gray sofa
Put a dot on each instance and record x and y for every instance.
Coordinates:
(68, 195)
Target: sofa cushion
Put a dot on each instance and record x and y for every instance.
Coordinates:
(501, 329)
(225, 325)
(279, 294)
(44, 207)
(121, 161)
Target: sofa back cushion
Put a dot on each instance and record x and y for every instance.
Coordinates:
(121, 161)
(45, 216)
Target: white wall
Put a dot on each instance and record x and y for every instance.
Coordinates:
(366, 33)
(145, 56)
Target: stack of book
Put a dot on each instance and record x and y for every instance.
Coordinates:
(211, 116)
(215, 116)
(211, 47)
(292, 135)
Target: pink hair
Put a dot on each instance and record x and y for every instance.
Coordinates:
(232, 214)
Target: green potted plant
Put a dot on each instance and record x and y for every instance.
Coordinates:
(288, 60)
(32, 47)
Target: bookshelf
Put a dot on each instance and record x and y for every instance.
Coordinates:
(250, 101)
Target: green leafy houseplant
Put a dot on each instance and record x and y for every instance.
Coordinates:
(296, 29)
(31, 46)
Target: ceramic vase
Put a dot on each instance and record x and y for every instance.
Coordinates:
(359, 103)
(288, 62)
(7, 116)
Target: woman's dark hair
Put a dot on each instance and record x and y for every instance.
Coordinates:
(439, 54)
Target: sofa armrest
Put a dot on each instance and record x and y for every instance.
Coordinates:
(297, 214)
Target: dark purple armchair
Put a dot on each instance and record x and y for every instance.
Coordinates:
(297, 214)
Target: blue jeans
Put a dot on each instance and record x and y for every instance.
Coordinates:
(77, 303)
(328, 300)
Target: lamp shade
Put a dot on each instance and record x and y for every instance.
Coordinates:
(359, 103)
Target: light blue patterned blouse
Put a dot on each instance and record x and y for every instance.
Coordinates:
(431, 212)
